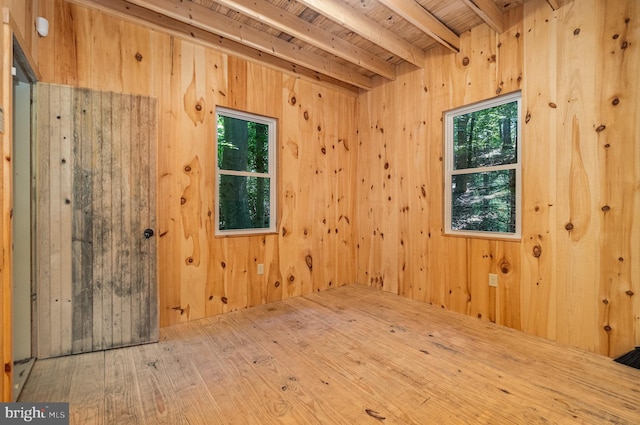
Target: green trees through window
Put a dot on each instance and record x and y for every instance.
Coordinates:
(483, 167)
(245, 172)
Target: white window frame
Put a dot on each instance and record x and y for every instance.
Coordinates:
(271, 174)
(449, 170)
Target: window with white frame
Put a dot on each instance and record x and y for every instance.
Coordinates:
(245, 173)
(483, 168)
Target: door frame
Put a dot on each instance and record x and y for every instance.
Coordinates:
(22, 206)
(12, 45)
(22, 366)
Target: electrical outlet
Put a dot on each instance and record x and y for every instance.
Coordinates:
(493, 280)
(260, 268)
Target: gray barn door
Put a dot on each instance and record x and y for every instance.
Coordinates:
(95, 197)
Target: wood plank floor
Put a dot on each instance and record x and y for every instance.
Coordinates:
(350, 355)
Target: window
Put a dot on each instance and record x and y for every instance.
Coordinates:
(482, 168)
(245, 173)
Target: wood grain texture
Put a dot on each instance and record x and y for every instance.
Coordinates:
(96, 272)
(348, 355)
(23, 14)
(363, 180)
(577, 179)
(566, 279)
(6, 205)
(619, 167)
(538, 252)
(200, 275)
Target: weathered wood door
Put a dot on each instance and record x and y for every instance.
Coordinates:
(95, 204)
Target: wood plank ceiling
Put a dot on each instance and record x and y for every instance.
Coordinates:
(347, 42)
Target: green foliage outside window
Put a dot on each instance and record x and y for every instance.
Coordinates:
(483, 168)
(245, 175)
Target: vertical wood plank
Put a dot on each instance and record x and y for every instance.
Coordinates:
(136, 57)
(54, 188)
(619, 165)
(323, 183)
(539, 207)
(345, 121)
(137, 191)
(151, 248)
(120, 288)
(169, 189)
(275, 277)
(43, 221)
(82, 264)
(62, 29)
(126, 254)
(577, 182)
(370, 132)
(108, 217)
(435, 82)
(77, 225)
(216, 79)
(509, 270)
(237, 94)
(481, 262)
(192, 100)
(107, 69)
(146, 219)
(97, 222)
(66, 165)
(329, 131)
(297, 180)
(413, 216)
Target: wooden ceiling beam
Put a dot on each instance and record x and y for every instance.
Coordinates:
(425, 21)
(489, 12)
(367, 29)
(280, 19)
(271, 51)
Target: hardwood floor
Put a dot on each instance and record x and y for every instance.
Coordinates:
(350, 355)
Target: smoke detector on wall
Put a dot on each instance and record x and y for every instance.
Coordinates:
(42, 26)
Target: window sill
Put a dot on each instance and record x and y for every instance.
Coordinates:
(488, 236)
(245, 234)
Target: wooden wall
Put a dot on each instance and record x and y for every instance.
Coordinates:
(23, 16)
(575, 275)
(6, 301)
(200, 275)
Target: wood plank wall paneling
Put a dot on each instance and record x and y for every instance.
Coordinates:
(578, 181)
(538, 283)
(619, 171)
(24, 13)
(96, 184)
(395, 192)
(200, 275)
(574, 275)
